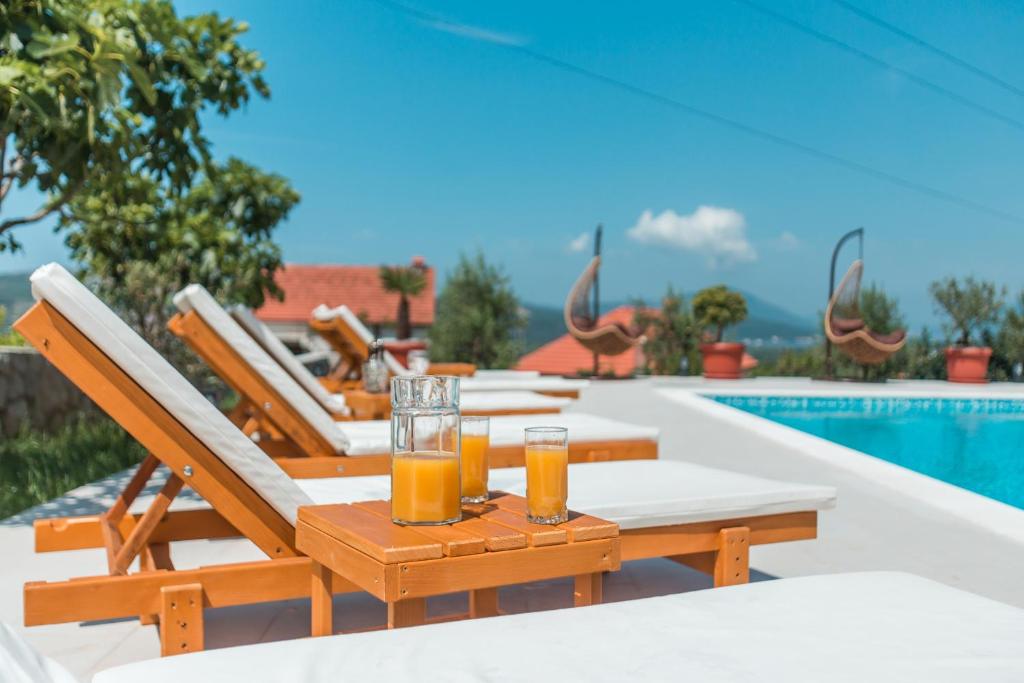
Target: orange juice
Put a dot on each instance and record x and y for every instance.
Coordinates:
(547, 480)
(425, 489)
(474, 465)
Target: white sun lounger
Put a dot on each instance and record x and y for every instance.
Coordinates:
(476, 402)
(877, 626)
(588, 434)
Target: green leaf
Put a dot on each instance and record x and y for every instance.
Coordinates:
(44, 45)
(8, 74)
(142, 82)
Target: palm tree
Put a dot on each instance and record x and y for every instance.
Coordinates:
(405, 281)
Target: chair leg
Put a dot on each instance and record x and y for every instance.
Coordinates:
(321, 605)
(589, 589)
(411, 612)
(483, 602)
(732, 560)
(181, 619)
(154, 557)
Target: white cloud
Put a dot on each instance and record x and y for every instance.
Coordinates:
(787, 241)
(580, 243)
(717, 233)
(475, 33)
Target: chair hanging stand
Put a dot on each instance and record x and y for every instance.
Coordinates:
(844, 326)
(582, 312)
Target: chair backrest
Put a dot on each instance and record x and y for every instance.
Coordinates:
(195, 298)
(159, 381)
(286, 359)
(344, 315)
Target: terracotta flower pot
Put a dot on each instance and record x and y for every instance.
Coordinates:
(722, 360)
(967, 364)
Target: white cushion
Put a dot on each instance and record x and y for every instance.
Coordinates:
(877, 626)
(196, 298)
(345, 314)
(20, 663)
(287, 360)
(53, 284)
(645, 493)
(505, 374)
(485, 383)
(635, 494)
(510, 400)
(374, 436)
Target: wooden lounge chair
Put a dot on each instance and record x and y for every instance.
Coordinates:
(251, 496)
(845, 328)
(478, 403)
(351, 339)
(307, 440)
(871, 626)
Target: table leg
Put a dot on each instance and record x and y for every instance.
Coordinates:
(321, 605)
(483, 602)
(411, 612)
(589, 589)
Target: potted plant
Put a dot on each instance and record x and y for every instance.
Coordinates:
(715, 308)
(971, 306)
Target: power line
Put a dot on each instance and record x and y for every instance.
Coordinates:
(882, 64)
(711, 116)
(920, 42)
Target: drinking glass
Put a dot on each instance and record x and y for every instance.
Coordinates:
(547, 474)
(476, 438)
(425, 479)
(419, 361)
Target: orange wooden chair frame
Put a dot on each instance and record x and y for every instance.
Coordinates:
(176, 598)
(302, 452)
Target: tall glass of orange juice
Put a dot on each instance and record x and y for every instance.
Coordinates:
(476, 438)
(547, 474)
(426, 486)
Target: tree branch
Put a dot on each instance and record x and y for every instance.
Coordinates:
(45, 211)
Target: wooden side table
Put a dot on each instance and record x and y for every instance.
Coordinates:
(367, 406)
(494, 545)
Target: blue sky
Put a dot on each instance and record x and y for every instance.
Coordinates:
(411, 137)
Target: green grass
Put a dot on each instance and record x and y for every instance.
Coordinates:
(36, 467)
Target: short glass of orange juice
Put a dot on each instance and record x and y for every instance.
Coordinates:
(476, 431)
(425, 481)
(547, 474)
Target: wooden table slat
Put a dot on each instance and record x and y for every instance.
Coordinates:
(496, 537)
(582, 527)
(537, 535)
(454, 542)
(371, 534)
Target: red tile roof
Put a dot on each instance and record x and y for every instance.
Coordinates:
(358, 287)
(566, 356)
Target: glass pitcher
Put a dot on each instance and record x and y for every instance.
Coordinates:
(425, 450)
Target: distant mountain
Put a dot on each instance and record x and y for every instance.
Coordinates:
(15, 295)
(764, 321)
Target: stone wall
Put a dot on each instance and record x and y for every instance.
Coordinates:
(34, 393)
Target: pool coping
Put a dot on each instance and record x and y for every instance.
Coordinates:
(992, 515)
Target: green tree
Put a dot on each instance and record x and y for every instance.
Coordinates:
(880, 312)
(114, 88)
(671, 333)
(717, 307)
(139, 244)
(405, 281)
(971, 306)
(478, 316)
(8, 337)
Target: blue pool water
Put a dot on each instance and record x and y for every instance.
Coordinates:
(972, 443)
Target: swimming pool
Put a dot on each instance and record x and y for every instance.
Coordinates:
(977, 444)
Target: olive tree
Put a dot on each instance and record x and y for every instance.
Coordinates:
(718, 307)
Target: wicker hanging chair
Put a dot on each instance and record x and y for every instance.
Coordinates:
(845, 327)
(581, 316)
